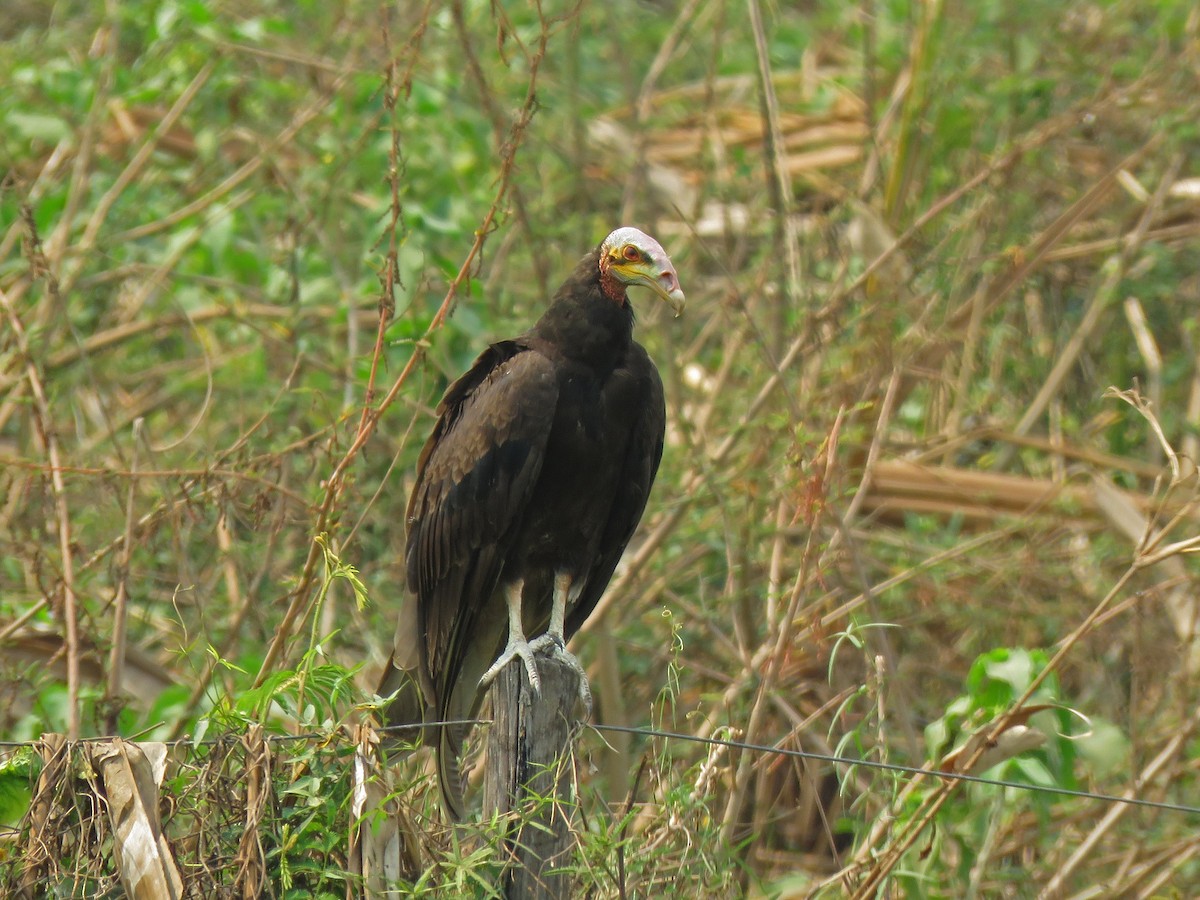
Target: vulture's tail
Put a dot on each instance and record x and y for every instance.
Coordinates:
(401, 679)
(407, 706)
(449, 745)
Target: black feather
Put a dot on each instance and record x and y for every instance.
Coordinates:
(541, 462)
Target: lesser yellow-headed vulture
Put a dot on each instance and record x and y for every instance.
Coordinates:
(527, 491)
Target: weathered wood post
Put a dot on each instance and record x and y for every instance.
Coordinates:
(529, 775)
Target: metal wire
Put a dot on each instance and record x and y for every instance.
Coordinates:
(894, 767)
(661, 734)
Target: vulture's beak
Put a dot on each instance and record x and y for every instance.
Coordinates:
(659, 275)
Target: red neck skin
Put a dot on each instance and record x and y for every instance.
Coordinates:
(613, 288)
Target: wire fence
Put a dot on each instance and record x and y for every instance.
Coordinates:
(244, 812)
(344, 735)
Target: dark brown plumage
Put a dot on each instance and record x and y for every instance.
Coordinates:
(527, 492)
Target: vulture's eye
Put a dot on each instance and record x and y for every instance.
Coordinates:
(631, 253)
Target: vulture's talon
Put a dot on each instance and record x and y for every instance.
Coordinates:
(515, 650)
(554, 647)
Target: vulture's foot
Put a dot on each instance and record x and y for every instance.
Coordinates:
(516, 649)
(552, 646)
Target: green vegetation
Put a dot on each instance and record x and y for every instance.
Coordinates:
(243, 247)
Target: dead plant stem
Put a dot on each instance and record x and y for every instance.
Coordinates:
(779, 183)
(68, 614)
(116, 664)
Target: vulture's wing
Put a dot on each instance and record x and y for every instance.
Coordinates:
(642, 456)
(474, 480)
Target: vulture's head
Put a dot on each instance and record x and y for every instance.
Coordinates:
(631, 257)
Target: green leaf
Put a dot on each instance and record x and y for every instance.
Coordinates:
(1013, 667)
(16, 775)
(40, 127)
(1105, 748)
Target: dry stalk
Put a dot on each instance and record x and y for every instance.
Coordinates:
(391, 273)
(55, 752)
(784, 633)
(968, 360)
(1167, 234)
(56, 245)
(116, 664)
(44, 178)
(1172, 861)
(914, 104)
(68, 614)
(779, 182)
(1147, 346)
(257, 794)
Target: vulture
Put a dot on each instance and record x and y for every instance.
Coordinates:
(526, 494)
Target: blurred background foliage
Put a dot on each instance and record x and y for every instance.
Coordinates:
(919, 241)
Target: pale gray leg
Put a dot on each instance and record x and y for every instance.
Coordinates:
(556, 642)
(517, 646)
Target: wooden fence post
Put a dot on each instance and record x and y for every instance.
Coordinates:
(528, 774)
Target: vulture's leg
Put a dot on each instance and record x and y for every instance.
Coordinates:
(517, 645)
(557, 642)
